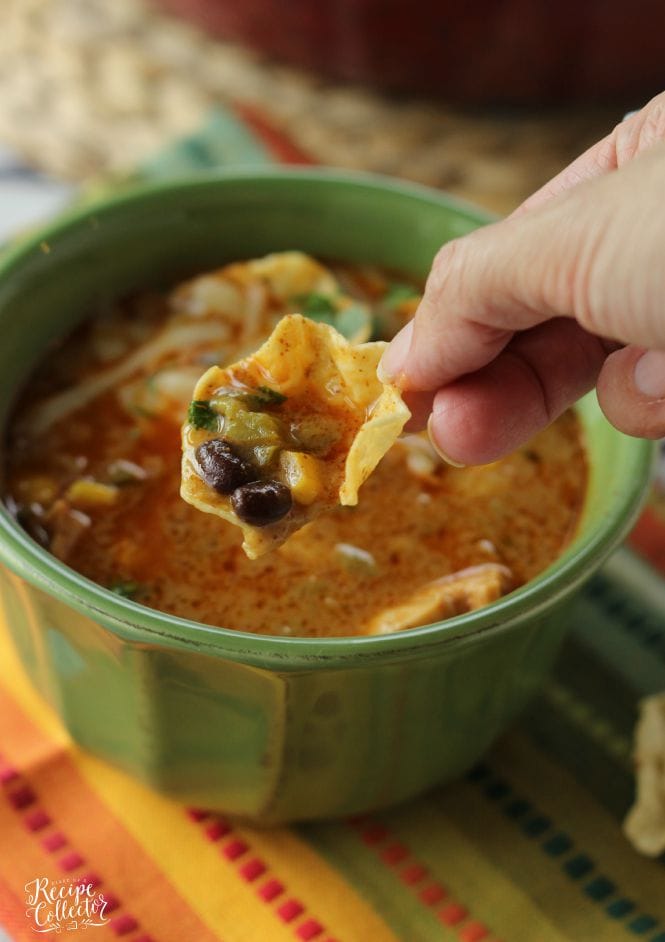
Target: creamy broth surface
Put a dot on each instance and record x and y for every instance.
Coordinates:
(94, 476)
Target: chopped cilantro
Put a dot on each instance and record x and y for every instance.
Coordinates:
(126, 589)
(318, 307)
(353, 321)
(269, 397)
(201, 415)
(256, 399)
(350, 321)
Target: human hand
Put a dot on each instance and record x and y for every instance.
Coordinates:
(521, 318)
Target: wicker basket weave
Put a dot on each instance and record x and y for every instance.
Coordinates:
(93, 86)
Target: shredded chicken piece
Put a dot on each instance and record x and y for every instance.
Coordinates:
(454, 594)
(256, 302)
(645, 823)
(147, 358)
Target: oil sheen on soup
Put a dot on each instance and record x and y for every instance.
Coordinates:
(93, 472)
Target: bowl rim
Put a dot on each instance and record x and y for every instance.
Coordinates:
(140, 624)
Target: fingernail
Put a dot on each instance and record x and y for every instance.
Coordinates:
(392, 362)
(649, 375)
(435, 446)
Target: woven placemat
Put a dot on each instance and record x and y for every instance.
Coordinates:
(92, 86)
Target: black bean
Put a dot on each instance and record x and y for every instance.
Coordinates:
(221, 467)
(261, 502)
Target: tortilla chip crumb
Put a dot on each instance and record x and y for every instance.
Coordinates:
(645, 823)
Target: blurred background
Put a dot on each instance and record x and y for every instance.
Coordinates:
(486, 100)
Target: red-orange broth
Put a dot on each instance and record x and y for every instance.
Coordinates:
(93, 474)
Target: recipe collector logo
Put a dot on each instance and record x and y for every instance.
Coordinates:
(63, 905)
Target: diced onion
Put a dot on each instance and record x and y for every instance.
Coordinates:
(355, 558)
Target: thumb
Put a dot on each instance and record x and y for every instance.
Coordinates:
(631, 391)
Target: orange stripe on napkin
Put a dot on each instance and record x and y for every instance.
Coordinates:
(56, 826)
(12, 914)
(281, 146)
(24, 859)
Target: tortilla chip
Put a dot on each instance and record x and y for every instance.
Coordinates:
(328, 421)
(645, 823)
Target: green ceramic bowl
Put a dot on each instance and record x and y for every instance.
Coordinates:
(273, 729)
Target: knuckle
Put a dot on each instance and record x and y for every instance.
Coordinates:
(653, 126)
(647, 127)
(445, 263)
(607, 156)
(448, 276)
(625, 141)
(583, 275)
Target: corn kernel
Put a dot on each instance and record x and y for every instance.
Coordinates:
(85, 493)
(302, 474)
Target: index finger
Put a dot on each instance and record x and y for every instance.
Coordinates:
(630, 137)
(481, 290)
